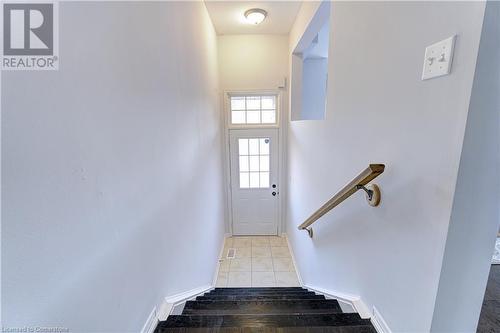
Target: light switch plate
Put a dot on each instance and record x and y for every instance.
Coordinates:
(438, 58)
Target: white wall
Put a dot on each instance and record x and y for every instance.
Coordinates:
(249, 62)
(314, 82)
(112, 185)
(474, 221)
(379, 111)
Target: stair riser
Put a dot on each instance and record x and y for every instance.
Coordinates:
(256, 321)
(265, 293)
(261, 307)
(191, 312)
(280, 289)
(342, 329)
(259, 298)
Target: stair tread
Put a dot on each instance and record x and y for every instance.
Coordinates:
(261, 321)
(260, 288)
(262, 307)
(258, 297)
(258, 292)
(309, 329)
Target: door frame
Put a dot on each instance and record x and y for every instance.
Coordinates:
(227, 158)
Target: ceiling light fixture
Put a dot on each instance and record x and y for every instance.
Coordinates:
(255, 15)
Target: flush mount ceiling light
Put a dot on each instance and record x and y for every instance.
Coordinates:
(255, 15)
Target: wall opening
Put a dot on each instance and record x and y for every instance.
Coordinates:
(310, 68)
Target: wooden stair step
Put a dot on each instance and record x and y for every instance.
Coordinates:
(262, 307)
(258, 297)
(280, 289)
(309, 329)
(259, 292)
(264, 321)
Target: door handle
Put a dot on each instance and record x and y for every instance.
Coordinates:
(274, 194)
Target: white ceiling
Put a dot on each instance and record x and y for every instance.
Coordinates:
(228, 19)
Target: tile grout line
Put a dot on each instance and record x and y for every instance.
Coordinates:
(271, 260)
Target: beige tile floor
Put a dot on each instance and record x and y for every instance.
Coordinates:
(260, 261)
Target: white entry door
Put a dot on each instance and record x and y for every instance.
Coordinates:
(254, 181)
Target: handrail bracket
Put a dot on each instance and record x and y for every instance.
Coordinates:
(369, 193)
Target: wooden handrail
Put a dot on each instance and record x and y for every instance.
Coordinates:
(370, 173)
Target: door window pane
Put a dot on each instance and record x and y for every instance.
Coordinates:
(254, 162)
(254, 180)
(238, 117)
(253, 102)
(264, 146)
(264, 163)
(244, 163)
(253, 146)
(243, 146)
(268, 117)
(264, 179)
(253, 117)
(268, 102)
(244, 180)
(238, 103)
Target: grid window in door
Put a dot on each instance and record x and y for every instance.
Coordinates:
(253, 110)
(254, 162)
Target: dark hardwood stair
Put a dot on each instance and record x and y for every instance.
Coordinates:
(261, 307)
(263, 310)
(258, 297)
(259, 292)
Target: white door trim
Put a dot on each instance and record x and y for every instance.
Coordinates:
(227, 159)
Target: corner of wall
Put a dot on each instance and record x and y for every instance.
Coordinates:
(151, 322)
(379, 323)
(293, 260)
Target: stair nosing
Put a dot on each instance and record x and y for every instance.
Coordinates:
(303, 320)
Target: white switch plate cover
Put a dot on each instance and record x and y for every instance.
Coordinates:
(438, 58)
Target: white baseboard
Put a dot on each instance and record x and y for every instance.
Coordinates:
(151, 322)
(358, 305)
(164, 310)
(187, 295)
(353, 300)
(161, 312)
(219, 258)
(293, 259)
(379, 323)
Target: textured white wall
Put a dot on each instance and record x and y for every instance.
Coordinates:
(379, 111)
(112, 186)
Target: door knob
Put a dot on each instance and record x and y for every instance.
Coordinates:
(274, 194)
(274, 185)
